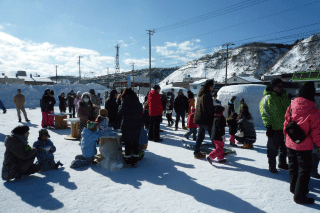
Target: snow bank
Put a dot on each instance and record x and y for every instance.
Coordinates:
(252, 95)
(33, 94)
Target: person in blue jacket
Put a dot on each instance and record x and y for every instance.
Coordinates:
(45, 156)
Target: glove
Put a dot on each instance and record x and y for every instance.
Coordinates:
(270, 131)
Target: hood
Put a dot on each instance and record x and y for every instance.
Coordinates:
(302, 106)
(219, 110)
(86, 93)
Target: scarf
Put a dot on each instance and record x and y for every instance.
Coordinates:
(24, 139)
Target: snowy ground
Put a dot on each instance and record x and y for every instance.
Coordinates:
(168, 179)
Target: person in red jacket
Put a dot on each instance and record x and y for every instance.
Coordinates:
(155, 113)
(307, 116)
(192, 126)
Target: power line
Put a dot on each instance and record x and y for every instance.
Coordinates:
(210, 15)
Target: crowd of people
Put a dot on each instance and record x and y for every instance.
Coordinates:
(206, 115)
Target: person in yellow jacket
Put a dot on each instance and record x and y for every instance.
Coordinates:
(19, 100)
(273, 107)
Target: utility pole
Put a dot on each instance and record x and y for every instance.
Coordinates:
(57, 74)
(79, 68)
(227, 44)
(132, 64)
(151, 32)
(117, 60)
(108, 76)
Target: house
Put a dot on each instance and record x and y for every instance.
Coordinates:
(195, 86)
(242, 80)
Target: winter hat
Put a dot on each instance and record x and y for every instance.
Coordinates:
(79, 93)
(20, 130)
(219, 109)
(103, 112)
(180, 91)
(52, 92)
(92, 92)
(43, 132)
(156, 87)
(308, 91)
(275, 82)
(86, 94)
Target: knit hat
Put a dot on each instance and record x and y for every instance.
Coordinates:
(156, 87)
(103, 112)
(20, 130)
(43, 132)
(180, 91)
(308, 91)
(275, 82)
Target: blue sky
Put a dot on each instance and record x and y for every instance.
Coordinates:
(37, 35)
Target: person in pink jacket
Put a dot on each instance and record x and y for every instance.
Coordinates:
(192, 126)
(307, 116)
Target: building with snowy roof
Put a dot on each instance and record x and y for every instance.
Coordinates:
(242, 80)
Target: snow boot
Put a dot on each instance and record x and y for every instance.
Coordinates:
(246, 146)
(306, 200)
(185, 128)
(199, 156)
(27, 120)
(127, 159)
(222, 161)
(19, 120)
(283, 166)
(4, 110)
(273, 169)
(134, 161)
(176, 128)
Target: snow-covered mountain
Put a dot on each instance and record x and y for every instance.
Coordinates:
(253, 59)
(304, 56)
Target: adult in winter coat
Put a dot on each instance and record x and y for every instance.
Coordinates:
(19, 100)
(76, 101)
(246, 125)
(307, 116)
(181, 106)
(170, 96)
(44, 104)
(164, 102)
(62, 102)
(191, 101)
(231, 106)
(155, 113)
(204, 115)
(19, 156)
(70, 97)
(273, 108)
(86, 110)
(112, 107)
(52, 102)
(96, 101)
(131, 116)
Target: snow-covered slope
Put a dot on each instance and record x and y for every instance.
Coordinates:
(253, 59)
(33, 94)
(304, 56)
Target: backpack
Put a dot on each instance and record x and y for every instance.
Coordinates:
(294, 131)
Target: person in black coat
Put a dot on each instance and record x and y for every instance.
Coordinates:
(181, 106)
(203, 115)
(164, 102)
(233, 125)
(231, 106)
(62, 102)
(112, 107)
(44, 104)
(170, 96)
(131, 116)
(52, 102)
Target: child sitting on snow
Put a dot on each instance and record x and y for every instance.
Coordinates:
(192, 126)
(218, 135)
(233, 124)
(89, 136)
(45, 157)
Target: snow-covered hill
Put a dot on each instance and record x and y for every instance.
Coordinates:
(253, 59)
(304, 56)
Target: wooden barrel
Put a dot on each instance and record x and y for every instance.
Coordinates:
(59, 122)
(75, 133)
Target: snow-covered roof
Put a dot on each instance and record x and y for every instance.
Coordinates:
(199, 82)
(35, 79)
(249, 78)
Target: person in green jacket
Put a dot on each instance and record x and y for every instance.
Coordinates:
(273, 107)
